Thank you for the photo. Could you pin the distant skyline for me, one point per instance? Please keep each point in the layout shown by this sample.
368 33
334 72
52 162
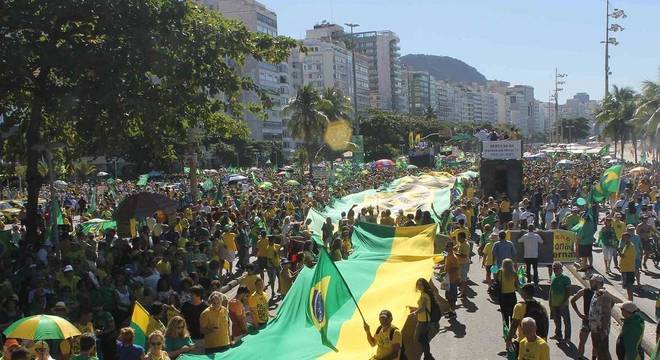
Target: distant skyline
518 41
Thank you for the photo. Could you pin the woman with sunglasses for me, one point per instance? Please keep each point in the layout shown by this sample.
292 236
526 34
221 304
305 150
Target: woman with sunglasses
177 338
42 351
155 342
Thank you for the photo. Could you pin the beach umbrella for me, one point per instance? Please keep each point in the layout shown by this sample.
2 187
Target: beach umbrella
292 182
639 169
383 163
411 167
41 327
266 185
102 174
235 178
60 184
565 162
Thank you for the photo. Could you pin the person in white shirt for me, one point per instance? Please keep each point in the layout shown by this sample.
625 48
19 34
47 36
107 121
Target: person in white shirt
531 241
515 215
549 212
622 202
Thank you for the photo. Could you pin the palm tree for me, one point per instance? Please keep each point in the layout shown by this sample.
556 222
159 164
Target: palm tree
308 122
336 105
647 115
617 110
83 169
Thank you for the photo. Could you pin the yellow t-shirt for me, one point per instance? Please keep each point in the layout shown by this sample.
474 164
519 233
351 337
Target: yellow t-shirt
627 260
258 304
248 281
215 317
262 247
462 251
468 224
285 279
273 254
508 284
229 239
387 221
164 267
534 350
619 228
384 344
519 313
488 253
505 206
424 302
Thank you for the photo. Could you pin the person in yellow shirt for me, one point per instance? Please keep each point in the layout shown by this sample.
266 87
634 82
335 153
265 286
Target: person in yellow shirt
251 278
272 263
262 248
521 310
423 314
258 304
230 248
532 347
487 261
627 264
387 338
164 266
285 278
214 323
68 279
462 251
386 218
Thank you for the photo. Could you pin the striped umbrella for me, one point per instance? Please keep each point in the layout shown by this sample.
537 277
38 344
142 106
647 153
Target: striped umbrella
41 327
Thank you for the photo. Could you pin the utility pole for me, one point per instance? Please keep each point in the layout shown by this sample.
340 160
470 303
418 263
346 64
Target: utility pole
558 81
355 113
193 137
616 14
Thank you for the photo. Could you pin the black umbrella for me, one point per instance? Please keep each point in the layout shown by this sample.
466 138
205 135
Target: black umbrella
144 204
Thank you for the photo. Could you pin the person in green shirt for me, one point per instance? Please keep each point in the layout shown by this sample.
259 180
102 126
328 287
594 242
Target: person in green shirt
87 348
560 285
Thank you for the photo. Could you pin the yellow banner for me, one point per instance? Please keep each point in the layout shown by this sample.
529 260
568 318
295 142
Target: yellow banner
563 245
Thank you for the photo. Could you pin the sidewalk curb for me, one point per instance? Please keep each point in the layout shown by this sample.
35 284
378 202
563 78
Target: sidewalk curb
648 344
232 284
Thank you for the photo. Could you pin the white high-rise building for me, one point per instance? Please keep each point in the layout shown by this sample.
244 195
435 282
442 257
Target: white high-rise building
271 77
466 102
386 90
579 106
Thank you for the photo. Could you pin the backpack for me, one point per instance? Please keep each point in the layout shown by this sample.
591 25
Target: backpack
436 313
535 310
392 329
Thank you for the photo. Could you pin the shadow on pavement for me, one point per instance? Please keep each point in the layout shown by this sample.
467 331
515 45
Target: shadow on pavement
454 326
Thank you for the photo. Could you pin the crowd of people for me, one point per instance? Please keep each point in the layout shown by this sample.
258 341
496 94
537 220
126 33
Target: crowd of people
178 266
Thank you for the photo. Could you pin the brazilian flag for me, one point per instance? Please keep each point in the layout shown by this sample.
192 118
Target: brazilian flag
327 294
611 179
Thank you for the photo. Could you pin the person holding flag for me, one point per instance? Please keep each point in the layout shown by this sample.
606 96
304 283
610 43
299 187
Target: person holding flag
387 338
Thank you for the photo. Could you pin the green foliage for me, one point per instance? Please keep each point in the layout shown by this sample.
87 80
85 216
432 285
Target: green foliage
308 121
127 78
337 106
577 128
82 169
617 109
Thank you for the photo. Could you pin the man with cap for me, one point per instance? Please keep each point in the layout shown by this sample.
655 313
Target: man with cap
68 279
387 338
632 332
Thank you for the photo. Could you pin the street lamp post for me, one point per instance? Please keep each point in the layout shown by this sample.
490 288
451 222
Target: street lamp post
355 115
616 14
558 81
570 138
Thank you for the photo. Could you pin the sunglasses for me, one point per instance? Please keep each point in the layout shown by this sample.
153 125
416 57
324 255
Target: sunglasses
40 350
156 343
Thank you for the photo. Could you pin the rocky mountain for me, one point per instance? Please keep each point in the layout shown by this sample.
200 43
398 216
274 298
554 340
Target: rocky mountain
444 68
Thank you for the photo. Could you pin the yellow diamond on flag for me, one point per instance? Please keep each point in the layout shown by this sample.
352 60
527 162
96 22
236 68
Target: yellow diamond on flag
338 134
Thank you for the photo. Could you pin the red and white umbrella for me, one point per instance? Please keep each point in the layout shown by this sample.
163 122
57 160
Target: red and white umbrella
383 163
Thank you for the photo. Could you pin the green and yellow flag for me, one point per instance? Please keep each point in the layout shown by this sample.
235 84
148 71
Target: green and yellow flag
326 295
56 218
604 151
611 179
143 324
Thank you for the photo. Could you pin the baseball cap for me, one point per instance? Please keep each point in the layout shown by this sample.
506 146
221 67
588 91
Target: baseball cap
68 268
629 306
630 227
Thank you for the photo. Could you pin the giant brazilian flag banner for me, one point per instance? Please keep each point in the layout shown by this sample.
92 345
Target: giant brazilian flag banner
380 274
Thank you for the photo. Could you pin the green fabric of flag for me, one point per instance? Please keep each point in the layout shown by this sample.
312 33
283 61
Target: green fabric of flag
604 151
91 207
186 170
142 181
326 295
611 179
552 155
56 218
208 184
642 159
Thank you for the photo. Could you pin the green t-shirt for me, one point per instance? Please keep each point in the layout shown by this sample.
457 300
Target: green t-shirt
558 288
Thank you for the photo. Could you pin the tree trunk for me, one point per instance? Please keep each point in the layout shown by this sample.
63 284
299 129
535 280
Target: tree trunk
634 144
33 178
616 145
310 159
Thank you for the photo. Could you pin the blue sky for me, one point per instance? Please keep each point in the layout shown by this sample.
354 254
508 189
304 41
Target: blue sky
520 41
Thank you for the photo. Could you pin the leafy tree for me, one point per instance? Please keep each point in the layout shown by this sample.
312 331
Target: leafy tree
308 122
128 78
430 113
647 115
577 128
617 109
82 169
337 106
